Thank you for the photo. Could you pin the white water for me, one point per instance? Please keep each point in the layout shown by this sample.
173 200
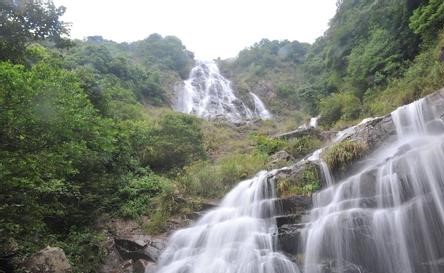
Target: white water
208 94
236 237
388 217
259 108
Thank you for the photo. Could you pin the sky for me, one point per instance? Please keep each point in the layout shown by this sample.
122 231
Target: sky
209 28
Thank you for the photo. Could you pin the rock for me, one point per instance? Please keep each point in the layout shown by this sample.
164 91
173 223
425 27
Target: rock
140 247
142 266
48 260
298 133
280 159
289 238
293 204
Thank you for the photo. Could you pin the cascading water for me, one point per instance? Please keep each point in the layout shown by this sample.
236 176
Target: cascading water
259 108
389 216
208 94
236 237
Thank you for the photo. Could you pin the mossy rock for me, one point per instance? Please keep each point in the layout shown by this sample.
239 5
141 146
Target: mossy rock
304 181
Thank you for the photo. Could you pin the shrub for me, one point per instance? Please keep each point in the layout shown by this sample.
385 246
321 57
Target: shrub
269 145
176 141
340 155
300 147
339 106
136 196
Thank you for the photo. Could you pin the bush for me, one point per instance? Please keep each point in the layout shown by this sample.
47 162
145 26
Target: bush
343 106
340 155
302 146
136 196
268 145
176 141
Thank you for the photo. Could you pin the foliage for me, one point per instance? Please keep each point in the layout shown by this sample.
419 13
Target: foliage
166 52
307 183
211 179
428 19
136 196
268 145
176 141
26 21
269 67
340 155
302 146
344 106
84 248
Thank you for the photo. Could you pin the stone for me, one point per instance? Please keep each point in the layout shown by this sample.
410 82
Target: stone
142 266
48 260
140 247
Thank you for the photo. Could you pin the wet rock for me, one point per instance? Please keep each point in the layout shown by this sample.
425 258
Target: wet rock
293 204
341 267
289 238
140 247
49 260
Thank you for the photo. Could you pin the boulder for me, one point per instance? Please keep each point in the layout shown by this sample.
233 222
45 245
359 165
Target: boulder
48 260
140 247
142 266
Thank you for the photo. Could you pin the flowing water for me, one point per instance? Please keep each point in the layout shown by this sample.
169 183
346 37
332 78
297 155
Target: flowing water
236 237
259 108
388 217
208 94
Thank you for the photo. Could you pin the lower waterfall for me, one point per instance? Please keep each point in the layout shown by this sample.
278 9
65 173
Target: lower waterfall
236 237
385 217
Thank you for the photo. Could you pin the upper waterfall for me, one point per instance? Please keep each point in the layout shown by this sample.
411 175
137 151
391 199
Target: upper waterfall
208 94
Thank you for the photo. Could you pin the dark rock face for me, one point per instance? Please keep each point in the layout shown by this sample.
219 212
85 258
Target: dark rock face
49 260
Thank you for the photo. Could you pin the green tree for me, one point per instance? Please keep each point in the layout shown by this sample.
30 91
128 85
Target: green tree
26 21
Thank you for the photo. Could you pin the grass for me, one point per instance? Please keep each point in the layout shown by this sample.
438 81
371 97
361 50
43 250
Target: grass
340 155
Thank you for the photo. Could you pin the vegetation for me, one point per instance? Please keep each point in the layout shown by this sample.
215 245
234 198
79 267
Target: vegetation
374 57
84 129
340 155
23 22
308 181
302 146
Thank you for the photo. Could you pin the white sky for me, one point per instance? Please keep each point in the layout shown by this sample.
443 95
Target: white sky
209 28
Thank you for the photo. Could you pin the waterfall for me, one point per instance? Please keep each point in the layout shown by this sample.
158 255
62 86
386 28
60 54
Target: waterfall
236 237
259 108
208 94
389 216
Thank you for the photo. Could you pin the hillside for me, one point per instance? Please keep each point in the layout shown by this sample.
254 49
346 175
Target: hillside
88 136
